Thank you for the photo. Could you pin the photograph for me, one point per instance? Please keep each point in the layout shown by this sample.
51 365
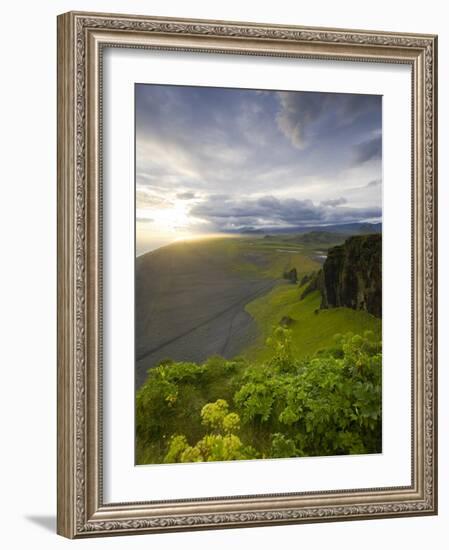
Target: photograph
258 274
247 273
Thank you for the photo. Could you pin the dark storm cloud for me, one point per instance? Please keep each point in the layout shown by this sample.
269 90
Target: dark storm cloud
334 202
269 211
368 150
308 115
297 113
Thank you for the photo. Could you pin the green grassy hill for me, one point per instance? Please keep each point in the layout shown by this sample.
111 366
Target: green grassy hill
312 329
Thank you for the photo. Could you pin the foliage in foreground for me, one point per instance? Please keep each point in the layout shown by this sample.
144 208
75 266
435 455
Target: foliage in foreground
329 404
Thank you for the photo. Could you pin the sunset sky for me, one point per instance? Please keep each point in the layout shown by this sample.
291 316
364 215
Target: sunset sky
226 161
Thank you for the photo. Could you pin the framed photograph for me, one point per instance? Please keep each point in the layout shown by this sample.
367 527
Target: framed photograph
246 274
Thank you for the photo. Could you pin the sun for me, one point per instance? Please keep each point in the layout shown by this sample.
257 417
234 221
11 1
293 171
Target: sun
173 219
167 221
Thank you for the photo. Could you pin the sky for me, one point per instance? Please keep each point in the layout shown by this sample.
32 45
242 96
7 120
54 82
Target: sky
215 161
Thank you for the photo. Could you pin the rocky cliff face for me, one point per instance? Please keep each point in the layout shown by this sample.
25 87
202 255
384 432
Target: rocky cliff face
352 275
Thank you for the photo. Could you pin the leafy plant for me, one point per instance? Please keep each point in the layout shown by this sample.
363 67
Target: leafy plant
329 404
221 444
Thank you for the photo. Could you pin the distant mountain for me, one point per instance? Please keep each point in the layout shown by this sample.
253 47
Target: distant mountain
317 237
250 230
356 228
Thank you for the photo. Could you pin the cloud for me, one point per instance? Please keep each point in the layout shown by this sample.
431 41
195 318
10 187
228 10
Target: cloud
151 200
187 195
217 156
297 112
204 140
334 202
368 150
304 115
232 214
374 183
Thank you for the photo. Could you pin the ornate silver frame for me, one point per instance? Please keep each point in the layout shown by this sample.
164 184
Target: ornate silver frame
81 39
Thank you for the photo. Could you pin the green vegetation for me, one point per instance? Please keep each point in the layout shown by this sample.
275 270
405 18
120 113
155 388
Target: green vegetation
309 383
257 256
221 444
312 329
233 410
171 400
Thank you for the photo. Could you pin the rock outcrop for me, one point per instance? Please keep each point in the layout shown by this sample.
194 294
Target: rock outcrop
352 275
291 275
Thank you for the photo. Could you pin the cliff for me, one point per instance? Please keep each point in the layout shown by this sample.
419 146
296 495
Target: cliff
351 275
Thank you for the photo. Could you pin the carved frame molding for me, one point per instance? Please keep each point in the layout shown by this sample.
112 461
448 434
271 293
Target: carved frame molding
81 39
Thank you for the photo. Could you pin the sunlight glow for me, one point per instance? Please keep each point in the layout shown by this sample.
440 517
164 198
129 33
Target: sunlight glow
156 226
170 219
